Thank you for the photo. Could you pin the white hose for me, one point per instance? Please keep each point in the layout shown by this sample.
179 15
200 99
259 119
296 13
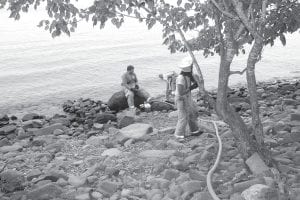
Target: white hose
211 171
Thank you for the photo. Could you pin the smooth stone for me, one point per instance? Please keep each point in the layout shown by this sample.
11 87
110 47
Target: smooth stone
48 130
191 187
5 130
108 188
14 147
30 116
125 120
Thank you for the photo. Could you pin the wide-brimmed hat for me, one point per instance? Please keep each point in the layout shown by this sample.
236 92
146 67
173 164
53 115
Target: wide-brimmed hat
186 64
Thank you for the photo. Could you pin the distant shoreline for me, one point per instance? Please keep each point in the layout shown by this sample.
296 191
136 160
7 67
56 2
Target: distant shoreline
49 108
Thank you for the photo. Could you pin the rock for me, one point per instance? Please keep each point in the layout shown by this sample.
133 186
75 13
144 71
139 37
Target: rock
160 106
191 187
84 196
98 126
136 131
196 175
170 174
260 192
96 140
126 120
58 132
103 118
202 196
178 164
112 152
48 130
5 130
55 147
47 191
108 188
35 123
256 164
34 173
241 186
63 121
290 102
4 120
157 153
30 116
11 181
194 158
14 147
236 196
4 142
167 131
76 181
160 183
295 117
118 101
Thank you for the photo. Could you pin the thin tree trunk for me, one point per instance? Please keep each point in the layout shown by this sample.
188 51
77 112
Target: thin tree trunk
253 57
225 111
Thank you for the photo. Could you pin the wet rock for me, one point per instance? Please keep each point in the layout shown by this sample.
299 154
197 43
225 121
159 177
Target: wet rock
5 130
118 101
76 181
4 120
103 118
112 152
30 116
11 180
260 192
47 191
256 164
136 131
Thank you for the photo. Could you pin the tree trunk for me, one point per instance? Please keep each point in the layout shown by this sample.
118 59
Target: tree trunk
225 111
253 57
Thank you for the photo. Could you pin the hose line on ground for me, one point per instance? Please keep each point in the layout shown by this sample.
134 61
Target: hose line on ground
211 171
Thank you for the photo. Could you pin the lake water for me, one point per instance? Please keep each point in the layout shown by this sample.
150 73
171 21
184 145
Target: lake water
39 73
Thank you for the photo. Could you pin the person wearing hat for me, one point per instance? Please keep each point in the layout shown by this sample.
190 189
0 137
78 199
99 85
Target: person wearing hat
131 87
185 82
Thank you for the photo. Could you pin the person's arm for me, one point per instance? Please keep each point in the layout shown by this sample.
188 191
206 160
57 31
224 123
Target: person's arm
124 82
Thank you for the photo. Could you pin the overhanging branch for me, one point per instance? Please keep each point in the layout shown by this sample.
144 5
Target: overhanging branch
223 11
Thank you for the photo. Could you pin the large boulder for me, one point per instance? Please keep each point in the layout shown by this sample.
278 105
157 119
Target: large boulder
103 118
260 192
118 101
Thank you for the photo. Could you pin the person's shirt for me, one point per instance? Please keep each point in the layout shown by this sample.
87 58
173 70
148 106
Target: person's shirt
183 80
129 80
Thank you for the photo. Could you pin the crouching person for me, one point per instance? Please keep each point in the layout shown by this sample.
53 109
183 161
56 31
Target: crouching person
131 87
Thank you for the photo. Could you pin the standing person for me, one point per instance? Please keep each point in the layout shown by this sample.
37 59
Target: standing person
131 87
187 114
170 79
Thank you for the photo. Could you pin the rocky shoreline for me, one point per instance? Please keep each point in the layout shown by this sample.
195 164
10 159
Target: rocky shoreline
89 153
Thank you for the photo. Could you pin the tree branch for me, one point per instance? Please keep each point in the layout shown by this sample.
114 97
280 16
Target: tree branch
223 11
239 9
242 27
238 72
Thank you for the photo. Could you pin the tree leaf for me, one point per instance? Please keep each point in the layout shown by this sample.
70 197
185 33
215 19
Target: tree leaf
179 2
282 39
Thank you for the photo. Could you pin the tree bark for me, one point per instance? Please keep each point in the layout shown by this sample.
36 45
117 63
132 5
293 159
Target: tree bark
253 57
